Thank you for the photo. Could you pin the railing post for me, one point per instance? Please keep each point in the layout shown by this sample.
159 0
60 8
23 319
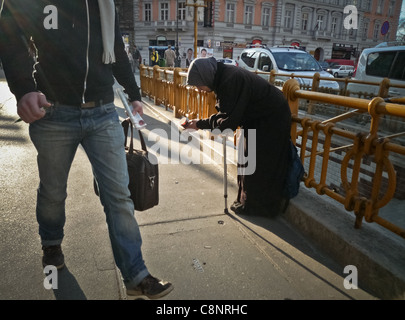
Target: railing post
272 78
177 92
289 89
315 82
315 86
155 85
148 82
344 92
384 88
142 82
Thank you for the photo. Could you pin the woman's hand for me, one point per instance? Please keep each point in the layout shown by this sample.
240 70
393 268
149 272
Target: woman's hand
192 124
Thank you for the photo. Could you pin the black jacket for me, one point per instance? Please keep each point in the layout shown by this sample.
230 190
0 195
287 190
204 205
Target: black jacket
69 67
244 98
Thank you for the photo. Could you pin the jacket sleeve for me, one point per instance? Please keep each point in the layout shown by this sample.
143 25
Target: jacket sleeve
14 55
122 68
211 122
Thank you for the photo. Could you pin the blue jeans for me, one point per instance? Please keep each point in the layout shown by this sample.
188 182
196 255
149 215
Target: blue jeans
56 138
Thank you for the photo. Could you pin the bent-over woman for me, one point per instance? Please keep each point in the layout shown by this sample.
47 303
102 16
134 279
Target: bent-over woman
248 101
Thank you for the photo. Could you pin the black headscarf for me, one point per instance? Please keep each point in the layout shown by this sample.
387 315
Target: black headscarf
202 72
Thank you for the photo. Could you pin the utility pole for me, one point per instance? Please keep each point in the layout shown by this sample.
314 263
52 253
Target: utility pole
196 6
177 60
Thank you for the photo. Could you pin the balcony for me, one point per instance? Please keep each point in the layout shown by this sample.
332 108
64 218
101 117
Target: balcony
169 25
322 35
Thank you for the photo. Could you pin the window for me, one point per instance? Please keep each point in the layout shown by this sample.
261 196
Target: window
288 18
367 5
265 62
266 17
296 61
379 6
376 30
249 15
208 15
333 27
230 12
365 30
249 58
379 63
304 22
148 12
164 11
182 11
391 9
319 22
398 72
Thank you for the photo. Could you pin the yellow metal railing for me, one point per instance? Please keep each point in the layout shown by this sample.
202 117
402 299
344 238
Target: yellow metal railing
362 145
383 86
361 167
164 85
168 87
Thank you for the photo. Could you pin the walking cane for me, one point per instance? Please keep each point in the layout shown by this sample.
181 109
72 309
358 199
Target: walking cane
225 176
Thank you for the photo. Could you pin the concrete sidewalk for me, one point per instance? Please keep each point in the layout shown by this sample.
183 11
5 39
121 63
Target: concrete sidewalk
187 238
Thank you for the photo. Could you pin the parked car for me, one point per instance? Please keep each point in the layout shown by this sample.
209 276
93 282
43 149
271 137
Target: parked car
341 71
378 63
324 65
228 61
285 60
340 62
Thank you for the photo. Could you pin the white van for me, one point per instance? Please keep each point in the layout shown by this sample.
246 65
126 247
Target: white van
285 60
378 63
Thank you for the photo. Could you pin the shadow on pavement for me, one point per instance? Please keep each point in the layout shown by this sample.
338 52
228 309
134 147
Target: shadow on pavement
68 287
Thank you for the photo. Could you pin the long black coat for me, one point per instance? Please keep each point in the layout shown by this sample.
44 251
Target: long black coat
247 100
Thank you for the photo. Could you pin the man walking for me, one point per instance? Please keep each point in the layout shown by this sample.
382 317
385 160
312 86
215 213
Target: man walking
69 102
137 58
170 56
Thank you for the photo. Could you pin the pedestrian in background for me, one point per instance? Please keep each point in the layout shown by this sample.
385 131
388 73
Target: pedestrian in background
248 101
154 57
170 56
131 60
70 103
137 58
177 61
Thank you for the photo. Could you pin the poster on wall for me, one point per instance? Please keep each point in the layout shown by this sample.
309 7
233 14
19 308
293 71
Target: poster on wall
203 52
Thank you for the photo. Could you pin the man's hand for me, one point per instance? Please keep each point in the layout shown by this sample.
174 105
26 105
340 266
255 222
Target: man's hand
137 107
30 106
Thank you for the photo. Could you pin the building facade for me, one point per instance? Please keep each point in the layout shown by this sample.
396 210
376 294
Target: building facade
127 21
328 29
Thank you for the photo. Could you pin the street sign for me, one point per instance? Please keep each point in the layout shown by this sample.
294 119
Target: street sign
385 27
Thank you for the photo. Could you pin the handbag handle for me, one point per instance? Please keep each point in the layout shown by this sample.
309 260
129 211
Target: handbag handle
125 124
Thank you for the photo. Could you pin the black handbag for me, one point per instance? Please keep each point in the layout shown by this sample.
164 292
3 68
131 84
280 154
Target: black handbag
143 172
295 173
